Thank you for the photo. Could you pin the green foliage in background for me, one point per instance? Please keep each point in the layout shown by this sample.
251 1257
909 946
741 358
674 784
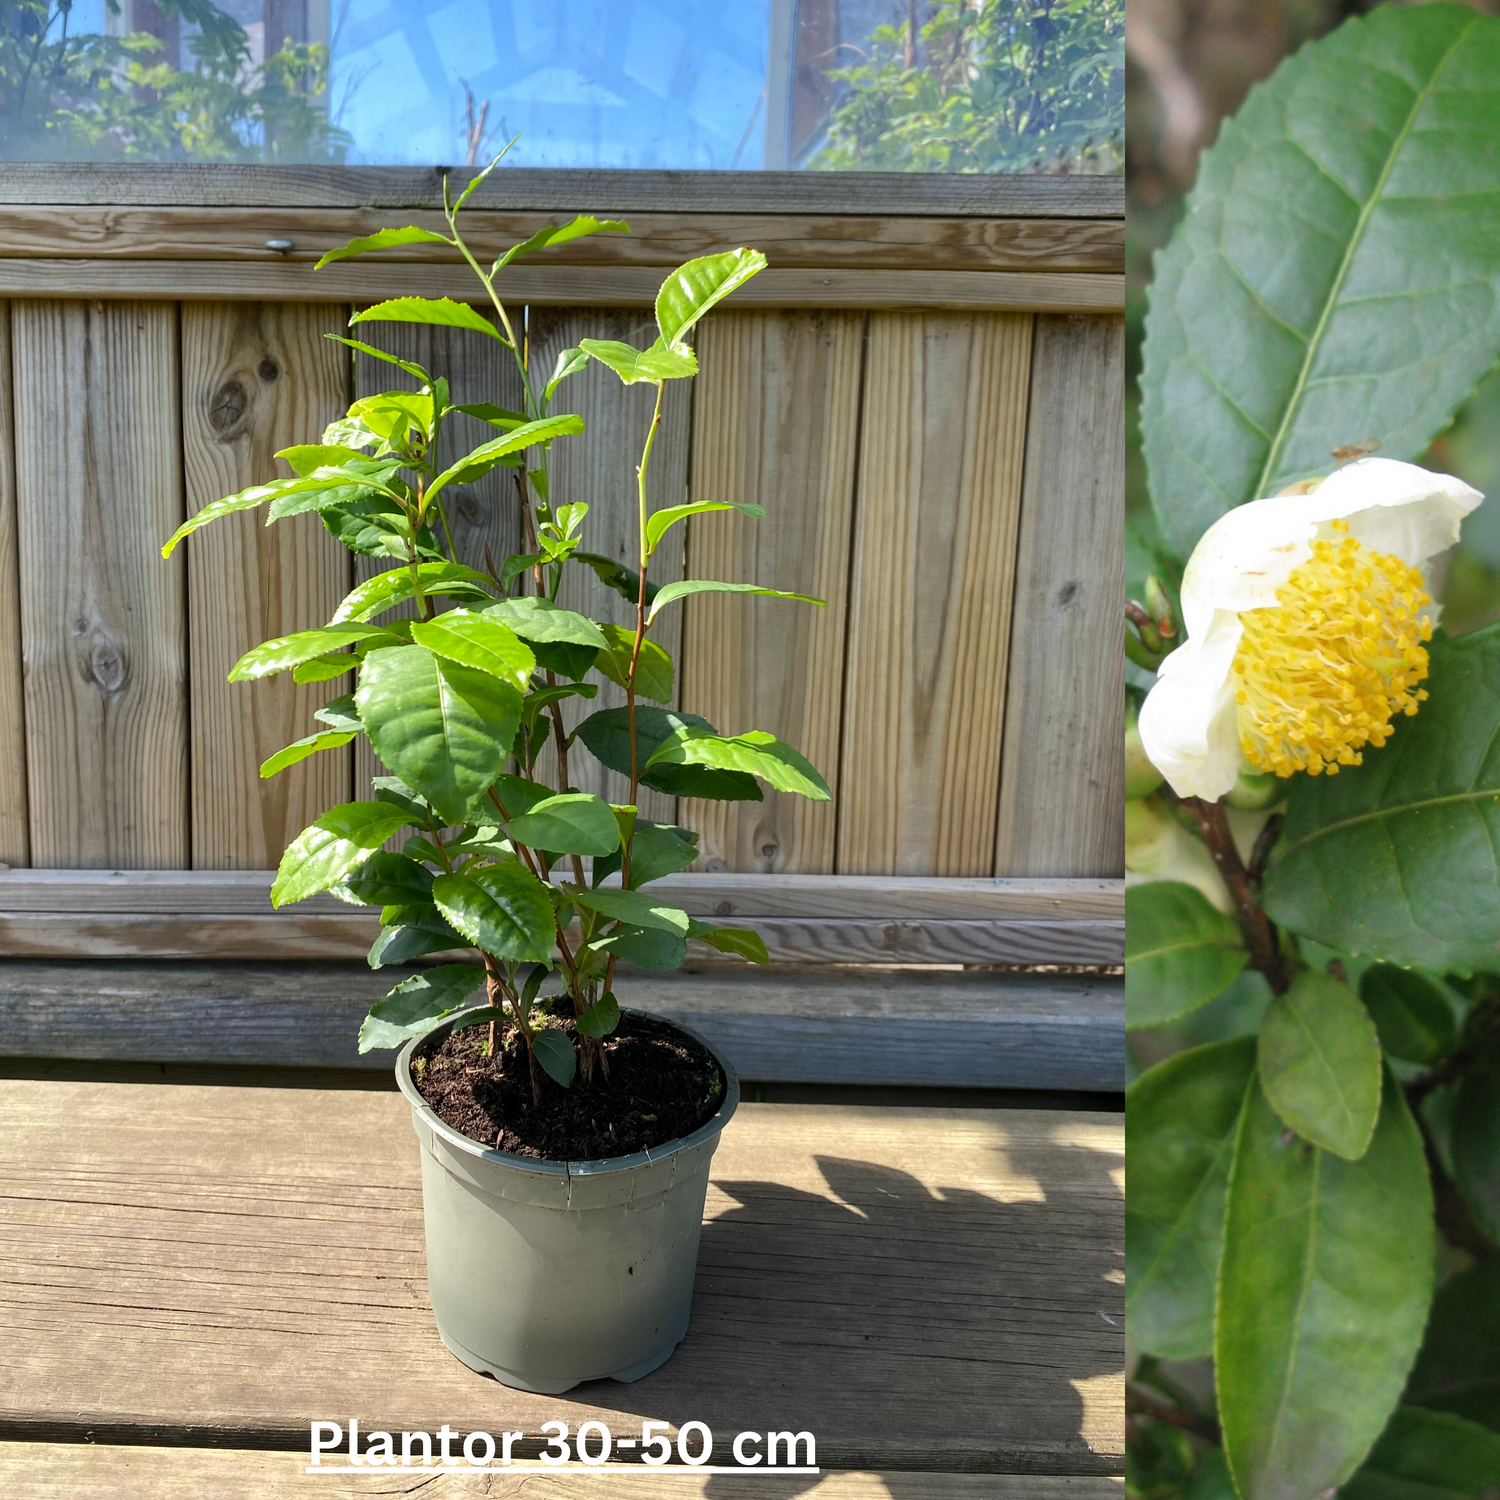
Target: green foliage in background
69 97
1004 86
1313 1234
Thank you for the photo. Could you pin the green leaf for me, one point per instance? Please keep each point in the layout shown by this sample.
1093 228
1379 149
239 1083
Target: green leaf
443 312
632 365
617 576
653 668
340 713
659 522
478 178
484 458
444 729
634 907
693 288
413 369
1302 302
743 941
480 641
401 943
1412 1015
656 849
560 234
328 849
645 947
324 668
417 1004
386 590
1323 1290
1182 1117
497 416
286 651
541 622
569 362
299 750
307 458
383 239
756 753
572 823
1179 952
1458 1369
503 910
686 586
1428 1455
606 734
601 1018
1320 1063
1474 1136
555 1053
1397 858
387 879
256 495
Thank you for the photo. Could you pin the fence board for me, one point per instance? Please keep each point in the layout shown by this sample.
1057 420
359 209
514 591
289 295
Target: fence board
256 377
942 443
15 843
1062 777
99 488
775 421
599 469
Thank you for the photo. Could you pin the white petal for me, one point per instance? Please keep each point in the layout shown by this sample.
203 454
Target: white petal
1188 721
1244 557
1395 507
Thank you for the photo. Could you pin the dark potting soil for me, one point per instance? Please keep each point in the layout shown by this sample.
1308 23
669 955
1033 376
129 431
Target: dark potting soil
662 1085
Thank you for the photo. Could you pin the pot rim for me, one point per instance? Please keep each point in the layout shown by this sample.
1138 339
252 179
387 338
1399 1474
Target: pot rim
593 1167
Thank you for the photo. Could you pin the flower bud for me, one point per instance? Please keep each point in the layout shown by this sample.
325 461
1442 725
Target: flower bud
1141 777
1254 791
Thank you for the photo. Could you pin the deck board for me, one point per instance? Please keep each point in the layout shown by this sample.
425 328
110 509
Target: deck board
926 1290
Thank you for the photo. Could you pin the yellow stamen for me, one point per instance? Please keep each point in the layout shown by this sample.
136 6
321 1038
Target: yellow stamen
1322 672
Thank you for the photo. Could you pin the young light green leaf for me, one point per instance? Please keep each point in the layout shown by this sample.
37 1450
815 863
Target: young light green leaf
504 910
555 1053
607 736
478 178
324 668
632 365
755 753
497 416
660 521
1323 1291
1458 1369
286 651
1320 1063
417 1004
383 239
386 590
1428 1455
299 750
634 907
569 362
487 455
743 941
443 312
1285 309
601 1018
256 495
444 729
560 234
653 667
693 288
477 640
685 586
1181 1117
305 459
328 849
340 713
1413 1016
1179 952
410 366
571 823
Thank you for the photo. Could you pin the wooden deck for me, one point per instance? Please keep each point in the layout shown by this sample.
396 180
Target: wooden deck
193 1275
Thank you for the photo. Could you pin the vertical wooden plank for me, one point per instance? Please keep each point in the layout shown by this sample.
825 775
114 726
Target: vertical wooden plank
1062 778
483 516
103 618
598 468
256 377
14 839
776 422
943 427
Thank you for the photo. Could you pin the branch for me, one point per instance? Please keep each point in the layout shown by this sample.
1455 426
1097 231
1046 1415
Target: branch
1148 1404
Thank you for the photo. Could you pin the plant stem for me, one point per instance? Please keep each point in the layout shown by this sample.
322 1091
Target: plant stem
1482 1027
640 615
1148 1404
1450 1210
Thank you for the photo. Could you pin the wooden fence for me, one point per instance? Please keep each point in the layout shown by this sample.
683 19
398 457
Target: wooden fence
924 391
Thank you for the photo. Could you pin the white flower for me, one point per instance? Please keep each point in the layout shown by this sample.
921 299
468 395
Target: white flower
1304 619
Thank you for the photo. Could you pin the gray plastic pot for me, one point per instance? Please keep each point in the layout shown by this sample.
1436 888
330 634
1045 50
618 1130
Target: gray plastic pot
545 1273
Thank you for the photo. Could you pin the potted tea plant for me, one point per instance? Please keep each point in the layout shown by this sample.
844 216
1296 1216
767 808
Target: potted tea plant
565 1141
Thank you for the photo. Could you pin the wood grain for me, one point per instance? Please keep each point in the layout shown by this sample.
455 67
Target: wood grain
103 618
591 190
1062 779
840 242
256 377
776 421
559 285
599 468
15 841
788 1023
63 1471
944 430
220 1265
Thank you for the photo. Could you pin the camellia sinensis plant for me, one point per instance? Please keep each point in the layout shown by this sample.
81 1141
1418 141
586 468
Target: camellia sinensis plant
1313 768
459 700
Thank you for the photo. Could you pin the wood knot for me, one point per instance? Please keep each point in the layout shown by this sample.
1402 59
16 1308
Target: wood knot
268 369
227 408
724 908
105 664
1068 593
